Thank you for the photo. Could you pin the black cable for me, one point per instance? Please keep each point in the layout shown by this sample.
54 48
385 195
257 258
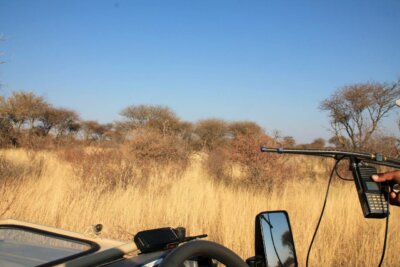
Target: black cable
338 175
386 231
342 178
322 211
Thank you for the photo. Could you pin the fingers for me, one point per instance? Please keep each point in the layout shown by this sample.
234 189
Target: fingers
388 176
394 199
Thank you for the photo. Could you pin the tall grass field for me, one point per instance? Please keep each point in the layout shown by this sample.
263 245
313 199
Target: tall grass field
66 191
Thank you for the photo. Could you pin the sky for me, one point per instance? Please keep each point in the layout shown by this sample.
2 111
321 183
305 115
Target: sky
271 62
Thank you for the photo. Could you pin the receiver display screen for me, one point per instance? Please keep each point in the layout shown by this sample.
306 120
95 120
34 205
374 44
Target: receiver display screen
372 186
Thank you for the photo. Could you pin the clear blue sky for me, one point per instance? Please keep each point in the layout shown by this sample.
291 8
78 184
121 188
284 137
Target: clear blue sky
267 61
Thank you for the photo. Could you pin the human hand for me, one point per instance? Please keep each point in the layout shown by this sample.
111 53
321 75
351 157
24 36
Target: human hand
393 176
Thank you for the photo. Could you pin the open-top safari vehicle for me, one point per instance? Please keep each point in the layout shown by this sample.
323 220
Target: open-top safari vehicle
26 244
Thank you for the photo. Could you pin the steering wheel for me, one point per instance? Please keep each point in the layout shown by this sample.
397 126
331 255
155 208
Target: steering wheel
202 248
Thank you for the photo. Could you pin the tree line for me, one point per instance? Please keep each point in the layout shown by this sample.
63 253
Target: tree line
355 113
26 117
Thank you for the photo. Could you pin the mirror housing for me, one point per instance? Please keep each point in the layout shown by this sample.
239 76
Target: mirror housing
274 239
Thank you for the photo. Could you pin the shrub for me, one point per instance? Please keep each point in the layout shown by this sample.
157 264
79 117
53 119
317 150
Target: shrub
100 168
211 133
241 162
12 172
152 150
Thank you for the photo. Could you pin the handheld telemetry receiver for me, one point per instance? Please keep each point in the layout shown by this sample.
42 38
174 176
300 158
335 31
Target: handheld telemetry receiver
372 195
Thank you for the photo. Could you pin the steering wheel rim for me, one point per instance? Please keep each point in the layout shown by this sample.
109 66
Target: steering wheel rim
202 248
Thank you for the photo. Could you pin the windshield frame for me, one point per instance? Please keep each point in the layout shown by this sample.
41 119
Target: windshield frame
93 246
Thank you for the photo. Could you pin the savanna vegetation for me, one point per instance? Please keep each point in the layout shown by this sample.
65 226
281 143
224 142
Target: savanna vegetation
153 169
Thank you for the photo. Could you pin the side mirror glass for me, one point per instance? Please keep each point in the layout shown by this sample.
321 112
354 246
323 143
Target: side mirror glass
277 240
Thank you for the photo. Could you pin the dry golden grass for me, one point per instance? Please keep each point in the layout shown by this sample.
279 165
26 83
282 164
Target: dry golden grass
54 196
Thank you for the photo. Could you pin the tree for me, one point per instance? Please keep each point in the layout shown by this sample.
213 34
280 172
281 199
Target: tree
245 128
22 107
66 122
120 131
156 117
287 241
94 131
6 130
317 143
356 111
289 141
48 119
211 132
340 142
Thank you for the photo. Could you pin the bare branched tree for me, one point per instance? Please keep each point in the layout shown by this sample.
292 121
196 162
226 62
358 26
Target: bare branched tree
356 111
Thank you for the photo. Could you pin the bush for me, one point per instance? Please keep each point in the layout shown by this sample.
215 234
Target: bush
152 150
11 172
7 134
100 168
241 162
210 134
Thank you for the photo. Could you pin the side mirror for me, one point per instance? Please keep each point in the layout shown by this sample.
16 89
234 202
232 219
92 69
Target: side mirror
274 240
